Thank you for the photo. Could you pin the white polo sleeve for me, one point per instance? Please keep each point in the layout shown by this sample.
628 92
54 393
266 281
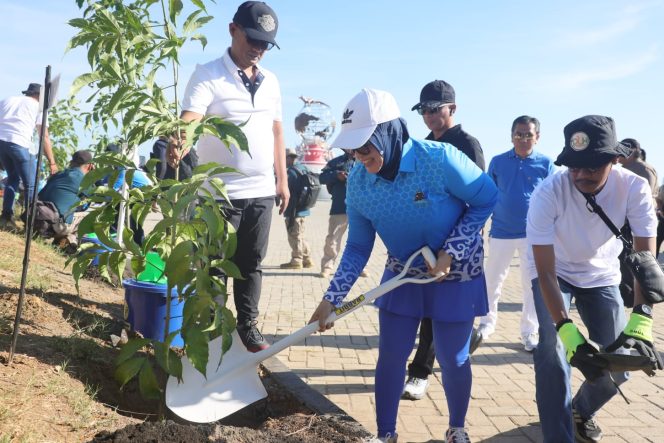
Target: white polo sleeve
278 114
199 94
641 209
540 226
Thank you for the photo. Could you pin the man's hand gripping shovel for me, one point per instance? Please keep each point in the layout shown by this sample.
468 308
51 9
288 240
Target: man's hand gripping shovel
234 384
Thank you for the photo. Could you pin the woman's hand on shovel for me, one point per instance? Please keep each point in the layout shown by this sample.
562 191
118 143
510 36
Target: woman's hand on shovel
443 265
321 314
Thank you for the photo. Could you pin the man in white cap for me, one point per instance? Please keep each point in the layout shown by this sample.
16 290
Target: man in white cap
19 116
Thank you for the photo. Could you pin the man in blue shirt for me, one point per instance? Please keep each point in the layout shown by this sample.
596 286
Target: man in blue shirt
516 173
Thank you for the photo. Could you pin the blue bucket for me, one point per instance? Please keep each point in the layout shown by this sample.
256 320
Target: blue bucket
145 309
92 238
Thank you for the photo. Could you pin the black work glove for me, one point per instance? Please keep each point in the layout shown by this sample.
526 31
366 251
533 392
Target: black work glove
638 335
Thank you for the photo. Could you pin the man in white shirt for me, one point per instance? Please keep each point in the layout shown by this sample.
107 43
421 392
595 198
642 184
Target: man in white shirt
237 89
574 255
19 116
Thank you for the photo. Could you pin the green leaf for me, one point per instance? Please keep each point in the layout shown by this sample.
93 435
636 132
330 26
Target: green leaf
117 262
83 80
201 38
229 268
105 239
178 265
130 348
174 8
128 369
147 383
196 348
182 204
190 24
168 359
128 241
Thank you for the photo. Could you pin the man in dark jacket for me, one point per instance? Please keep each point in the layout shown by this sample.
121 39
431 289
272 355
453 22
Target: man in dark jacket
334 176
300 257
437 107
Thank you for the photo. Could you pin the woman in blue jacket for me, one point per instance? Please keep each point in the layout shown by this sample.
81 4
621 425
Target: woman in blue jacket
413 193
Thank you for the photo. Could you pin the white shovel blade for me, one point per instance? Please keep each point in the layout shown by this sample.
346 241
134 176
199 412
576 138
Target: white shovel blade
198 401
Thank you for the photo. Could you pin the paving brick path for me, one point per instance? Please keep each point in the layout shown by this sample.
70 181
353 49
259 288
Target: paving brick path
340 363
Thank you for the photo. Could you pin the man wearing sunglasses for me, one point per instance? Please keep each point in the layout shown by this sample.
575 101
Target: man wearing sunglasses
437 107
236 88
516 173
574 257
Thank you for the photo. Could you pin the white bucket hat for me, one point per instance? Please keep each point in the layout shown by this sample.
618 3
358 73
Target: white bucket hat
363 113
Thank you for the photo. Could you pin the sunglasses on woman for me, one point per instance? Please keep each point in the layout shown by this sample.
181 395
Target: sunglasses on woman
364 149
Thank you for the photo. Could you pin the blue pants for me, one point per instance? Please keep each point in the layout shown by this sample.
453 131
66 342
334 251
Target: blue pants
602 312
397 337
20 166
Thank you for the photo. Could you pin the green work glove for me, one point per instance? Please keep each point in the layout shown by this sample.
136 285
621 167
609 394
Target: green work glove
638 335
579 352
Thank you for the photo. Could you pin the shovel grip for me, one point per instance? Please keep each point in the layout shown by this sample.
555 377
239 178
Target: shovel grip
387 286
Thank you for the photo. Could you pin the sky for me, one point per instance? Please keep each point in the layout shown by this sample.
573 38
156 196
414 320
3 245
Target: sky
555 60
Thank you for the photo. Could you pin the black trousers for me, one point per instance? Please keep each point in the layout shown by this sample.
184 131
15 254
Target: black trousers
251 218
422 365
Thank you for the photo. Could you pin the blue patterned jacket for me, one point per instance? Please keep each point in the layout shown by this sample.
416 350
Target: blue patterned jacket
439 198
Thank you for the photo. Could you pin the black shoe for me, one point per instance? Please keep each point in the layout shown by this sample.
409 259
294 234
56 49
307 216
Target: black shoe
586 430
8 224
475 340
251 337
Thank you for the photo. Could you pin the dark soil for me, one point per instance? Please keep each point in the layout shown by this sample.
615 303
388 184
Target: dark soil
60 385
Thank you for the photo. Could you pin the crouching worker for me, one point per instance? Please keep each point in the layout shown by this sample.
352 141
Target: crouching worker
576 257
413 193
62 192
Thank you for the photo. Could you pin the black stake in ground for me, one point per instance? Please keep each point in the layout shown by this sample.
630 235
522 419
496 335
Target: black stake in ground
30 219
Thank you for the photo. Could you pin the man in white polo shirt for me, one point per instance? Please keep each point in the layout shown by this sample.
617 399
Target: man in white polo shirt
19 116
237 89
574 255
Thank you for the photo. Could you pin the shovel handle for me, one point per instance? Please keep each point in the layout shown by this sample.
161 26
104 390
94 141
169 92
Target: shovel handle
358 302
389 285
343 310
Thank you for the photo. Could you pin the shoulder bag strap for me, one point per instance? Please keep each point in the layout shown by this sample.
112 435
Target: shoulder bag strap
597 209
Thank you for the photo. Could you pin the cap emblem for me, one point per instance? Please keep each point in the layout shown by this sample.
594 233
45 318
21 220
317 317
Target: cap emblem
579 141
267 22
346 116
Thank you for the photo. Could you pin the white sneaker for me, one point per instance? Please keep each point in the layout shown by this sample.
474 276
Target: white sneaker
485 330
387 439
415 388
530 341
457 435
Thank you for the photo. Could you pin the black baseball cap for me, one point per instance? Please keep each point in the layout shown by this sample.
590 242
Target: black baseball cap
435 93
80 158
590 142
258 20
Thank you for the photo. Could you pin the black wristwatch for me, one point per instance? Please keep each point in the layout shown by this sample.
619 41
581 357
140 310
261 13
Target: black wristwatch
644 310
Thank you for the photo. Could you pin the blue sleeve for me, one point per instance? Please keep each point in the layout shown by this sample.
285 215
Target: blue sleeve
361 237
118 183
466 181
492 170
